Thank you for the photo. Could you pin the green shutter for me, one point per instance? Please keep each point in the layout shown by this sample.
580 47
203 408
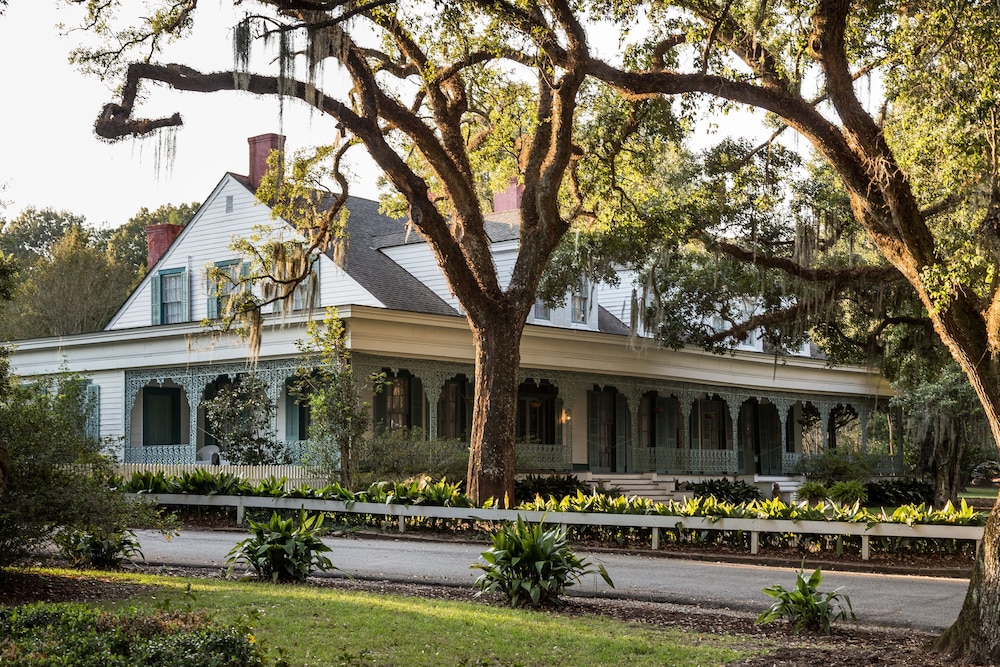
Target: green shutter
291 415
93 421
155 299
186 285
418 405
593 429
623 434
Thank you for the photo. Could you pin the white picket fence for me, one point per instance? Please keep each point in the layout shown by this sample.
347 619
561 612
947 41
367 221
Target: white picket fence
295 475
655 522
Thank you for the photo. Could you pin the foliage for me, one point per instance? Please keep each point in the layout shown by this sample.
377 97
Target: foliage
401 453
338 419
127 244
726 490
899 491
419 491
77 634
837 465
58 475
532 565
31 234
241 416
849 492
805 607
283 550
812 491
97 546
549 486
72 286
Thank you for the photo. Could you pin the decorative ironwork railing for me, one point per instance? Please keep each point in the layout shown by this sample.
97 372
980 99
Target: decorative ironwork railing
168 454
788 462
686 461
532 457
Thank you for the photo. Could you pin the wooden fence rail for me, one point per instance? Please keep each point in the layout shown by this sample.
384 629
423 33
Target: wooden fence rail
654 522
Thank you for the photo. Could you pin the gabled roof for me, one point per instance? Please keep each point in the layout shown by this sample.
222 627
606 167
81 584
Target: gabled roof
387 281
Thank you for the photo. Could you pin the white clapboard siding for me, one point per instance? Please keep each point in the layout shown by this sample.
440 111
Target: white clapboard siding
418 260
339 289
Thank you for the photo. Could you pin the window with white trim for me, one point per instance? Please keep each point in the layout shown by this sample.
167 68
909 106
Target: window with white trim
580 303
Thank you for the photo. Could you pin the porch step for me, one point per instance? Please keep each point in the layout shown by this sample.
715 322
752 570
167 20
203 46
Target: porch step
636 484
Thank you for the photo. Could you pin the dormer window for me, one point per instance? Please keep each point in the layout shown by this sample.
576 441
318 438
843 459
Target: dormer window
542 311
580 303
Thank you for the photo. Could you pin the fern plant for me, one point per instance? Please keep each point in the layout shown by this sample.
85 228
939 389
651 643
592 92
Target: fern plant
532 565
805 607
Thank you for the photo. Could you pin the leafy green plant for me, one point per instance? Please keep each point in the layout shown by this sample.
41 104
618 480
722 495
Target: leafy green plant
849 492
103 548
837 465
548 486
812 491
532 565
240 417
726 490
283 550
805 607
896 492
146 481
76 634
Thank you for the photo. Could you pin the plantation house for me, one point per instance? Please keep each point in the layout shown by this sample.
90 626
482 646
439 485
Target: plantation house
592 399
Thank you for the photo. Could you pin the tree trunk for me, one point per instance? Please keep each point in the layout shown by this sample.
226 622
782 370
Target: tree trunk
494 414
974 634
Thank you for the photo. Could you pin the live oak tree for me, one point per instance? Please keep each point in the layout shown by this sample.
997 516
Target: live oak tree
450 100
927 197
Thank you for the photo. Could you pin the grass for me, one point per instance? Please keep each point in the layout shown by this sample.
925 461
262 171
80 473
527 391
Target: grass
308 625
978 492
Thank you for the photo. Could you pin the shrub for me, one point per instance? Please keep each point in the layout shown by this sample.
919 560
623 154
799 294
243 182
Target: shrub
805 607
76 634
532 565
849 492
901 491
726 490
837 465
97 546
812 492
551 486
399 454
283 550
57 477
241 416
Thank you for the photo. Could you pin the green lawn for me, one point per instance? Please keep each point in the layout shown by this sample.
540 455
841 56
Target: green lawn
320 626
979 492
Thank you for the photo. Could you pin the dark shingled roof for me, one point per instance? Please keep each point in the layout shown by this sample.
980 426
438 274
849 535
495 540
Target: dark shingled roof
387 281
609 324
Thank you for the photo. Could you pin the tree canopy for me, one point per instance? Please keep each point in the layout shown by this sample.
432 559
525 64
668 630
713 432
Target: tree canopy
429 99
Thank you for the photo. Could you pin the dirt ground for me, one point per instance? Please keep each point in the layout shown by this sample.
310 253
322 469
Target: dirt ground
848 646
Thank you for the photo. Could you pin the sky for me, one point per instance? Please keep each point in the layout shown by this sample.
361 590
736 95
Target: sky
51 158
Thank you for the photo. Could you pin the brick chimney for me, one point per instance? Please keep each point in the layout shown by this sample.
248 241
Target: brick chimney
158 240
509 199
261 147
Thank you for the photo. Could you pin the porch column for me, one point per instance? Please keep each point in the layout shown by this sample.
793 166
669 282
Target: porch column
571 389
863 412
824 419
633 394
686 400
433 382
783 405
735 403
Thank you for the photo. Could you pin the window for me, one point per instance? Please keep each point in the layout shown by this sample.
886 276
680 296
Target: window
221 287
542 312
579 303
92 424
536 413
169 296
161 416
400 403
455 409
305 295
229 203
297 413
